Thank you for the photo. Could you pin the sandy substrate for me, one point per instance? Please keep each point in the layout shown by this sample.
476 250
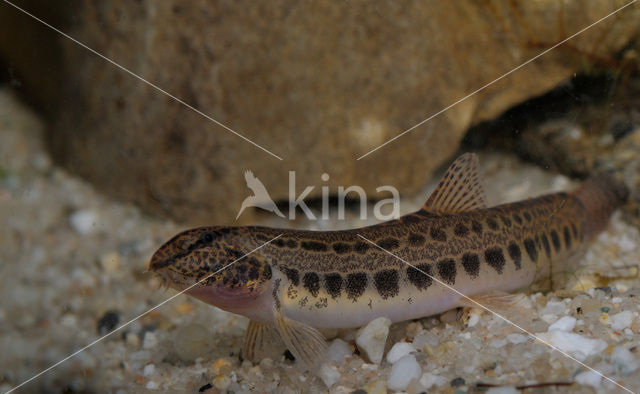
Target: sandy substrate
72 268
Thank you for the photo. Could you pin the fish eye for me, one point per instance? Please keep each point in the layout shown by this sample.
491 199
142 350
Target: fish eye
207 237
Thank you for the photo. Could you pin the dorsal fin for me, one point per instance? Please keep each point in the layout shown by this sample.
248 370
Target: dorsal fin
459 189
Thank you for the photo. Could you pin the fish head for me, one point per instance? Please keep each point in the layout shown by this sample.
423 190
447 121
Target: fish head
213 264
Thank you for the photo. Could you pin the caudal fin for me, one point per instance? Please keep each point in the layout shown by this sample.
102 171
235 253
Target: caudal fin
600 195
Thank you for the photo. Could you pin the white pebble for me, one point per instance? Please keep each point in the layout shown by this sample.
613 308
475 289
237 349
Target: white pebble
425 337
151 385
329 374
580 347
398 351
502 390
517 338
429 380
624 360
148 370
566 324
621 320
589 378
150 340
498 343
403 372
339 350
372 338
84 222
554 308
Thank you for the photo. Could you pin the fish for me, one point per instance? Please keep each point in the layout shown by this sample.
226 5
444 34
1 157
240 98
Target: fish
293 283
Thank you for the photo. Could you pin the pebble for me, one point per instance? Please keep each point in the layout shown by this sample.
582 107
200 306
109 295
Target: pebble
376 386
339 350
429 380
403 372
398 351
457 382
151 385
110 262
588 378
554 308
329 374
191 341
577 345
372 338
84 221
150 340
425 338
566 324
148 370
517 338
624 360
221 382
108 322
621 320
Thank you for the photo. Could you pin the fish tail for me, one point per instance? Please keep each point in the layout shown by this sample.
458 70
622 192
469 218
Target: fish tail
600 195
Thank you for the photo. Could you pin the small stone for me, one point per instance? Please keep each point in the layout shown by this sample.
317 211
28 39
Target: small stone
565 323
151 385
621 320
150 340
517 338
403 372
398 351
372 338
329 374
108 322
554 308
425 338
339 350
221 382
377 386
429 380
110 262
133 340
191 341
148 370
498 343
589 378
205 388
450 316
579 346
624 360
457 382
84 222
220 366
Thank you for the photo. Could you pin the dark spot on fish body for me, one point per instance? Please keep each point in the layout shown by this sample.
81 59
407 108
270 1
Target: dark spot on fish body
545 243
292 243
388 243
517 218
416 239
574 229
567 237
471 264
412 218
495 258
530 247
279 243
420 275
437 234
341 247
476 226
303 302
527 216
333 284
356 285
447 270
314 246
493 225
515 254
361 247
292 275
555 239
274 293
461 230
386 282
506 221
311 282
322 303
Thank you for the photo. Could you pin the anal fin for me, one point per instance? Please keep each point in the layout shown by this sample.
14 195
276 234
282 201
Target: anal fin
493 300
306 343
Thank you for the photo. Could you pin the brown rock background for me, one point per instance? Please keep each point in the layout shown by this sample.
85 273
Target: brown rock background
317 83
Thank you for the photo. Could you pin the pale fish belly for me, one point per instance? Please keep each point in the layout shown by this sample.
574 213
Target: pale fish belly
323 311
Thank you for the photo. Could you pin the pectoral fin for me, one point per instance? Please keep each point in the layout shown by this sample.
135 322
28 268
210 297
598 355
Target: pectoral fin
306 343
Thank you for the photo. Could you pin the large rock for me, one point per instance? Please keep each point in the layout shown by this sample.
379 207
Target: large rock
317 83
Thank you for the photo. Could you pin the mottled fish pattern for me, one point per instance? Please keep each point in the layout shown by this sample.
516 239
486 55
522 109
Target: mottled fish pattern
304 280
